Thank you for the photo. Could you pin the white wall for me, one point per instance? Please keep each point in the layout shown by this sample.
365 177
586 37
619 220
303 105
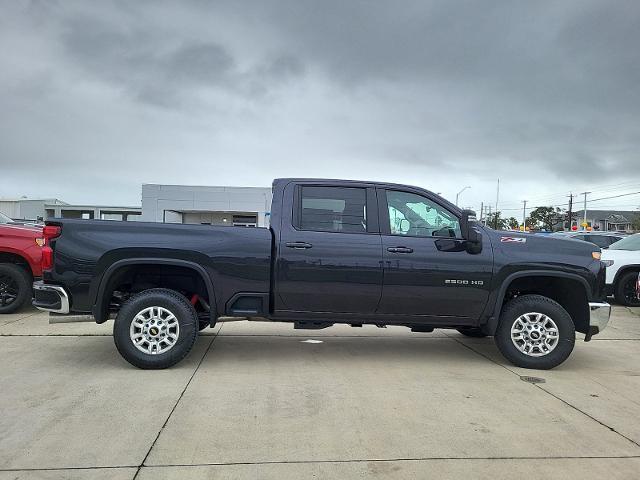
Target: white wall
156 199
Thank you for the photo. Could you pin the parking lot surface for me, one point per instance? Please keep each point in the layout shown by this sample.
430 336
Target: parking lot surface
258 401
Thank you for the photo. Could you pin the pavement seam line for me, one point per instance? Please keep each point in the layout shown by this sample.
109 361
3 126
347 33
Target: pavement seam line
18 319
588 415
284 462
382 460
153 444
553 395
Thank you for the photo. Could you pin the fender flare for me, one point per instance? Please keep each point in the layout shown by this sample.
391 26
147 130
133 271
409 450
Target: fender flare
99 308
20 254
492 324
623 270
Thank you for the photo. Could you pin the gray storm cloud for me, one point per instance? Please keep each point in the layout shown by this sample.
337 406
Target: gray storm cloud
105 96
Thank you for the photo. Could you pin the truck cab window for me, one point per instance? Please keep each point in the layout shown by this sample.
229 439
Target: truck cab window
417 216
333 209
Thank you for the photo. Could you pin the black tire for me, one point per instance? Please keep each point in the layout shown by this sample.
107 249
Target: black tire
625 290
16 287
472 332
187 331
525 304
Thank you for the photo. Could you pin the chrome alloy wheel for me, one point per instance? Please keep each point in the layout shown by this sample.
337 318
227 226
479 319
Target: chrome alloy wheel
154 330
535 334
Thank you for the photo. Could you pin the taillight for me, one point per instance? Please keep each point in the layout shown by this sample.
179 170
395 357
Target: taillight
49 232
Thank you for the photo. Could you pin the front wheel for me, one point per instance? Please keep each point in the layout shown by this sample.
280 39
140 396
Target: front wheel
535 332
626 290
155 329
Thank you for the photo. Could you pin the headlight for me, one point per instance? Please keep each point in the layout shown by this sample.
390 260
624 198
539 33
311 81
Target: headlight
607 263
596 255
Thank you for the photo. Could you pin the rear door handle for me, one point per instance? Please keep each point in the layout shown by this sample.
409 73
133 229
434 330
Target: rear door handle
299 245
400 250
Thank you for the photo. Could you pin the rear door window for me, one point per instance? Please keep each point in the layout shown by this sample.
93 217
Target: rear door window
332 209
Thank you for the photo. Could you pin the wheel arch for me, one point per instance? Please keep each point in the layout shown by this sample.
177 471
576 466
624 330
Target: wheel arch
13 257
632 267
577 307
100 307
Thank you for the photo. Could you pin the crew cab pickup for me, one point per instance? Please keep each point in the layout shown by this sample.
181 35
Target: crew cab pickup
336 251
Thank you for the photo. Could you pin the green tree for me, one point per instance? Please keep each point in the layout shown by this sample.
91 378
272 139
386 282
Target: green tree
494 220
512 223
547 217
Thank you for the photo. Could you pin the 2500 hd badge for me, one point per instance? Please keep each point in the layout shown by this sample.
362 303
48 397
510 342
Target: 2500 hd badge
464 282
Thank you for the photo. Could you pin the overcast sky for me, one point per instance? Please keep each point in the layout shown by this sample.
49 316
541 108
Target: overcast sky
97 98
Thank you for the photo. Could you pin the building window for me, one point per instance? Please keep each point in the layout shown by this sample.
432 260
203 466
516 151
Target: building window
245 220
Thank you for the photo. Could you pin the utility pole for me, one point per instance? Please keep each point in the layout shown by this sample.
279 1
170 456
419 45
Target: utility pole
497 197
524 216
585 206
481 210
570 211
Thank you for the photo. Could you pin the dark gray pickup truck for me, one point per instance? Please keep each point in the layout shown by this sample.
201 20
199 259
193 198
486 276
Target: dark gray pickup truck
336 252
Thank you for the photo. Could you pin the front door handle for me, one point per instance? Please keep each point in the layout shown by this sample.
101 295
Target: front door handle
299 245
400 250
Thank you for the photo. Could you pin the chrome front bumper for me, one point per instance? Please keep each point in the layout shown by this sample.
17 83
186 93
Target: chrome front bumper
599 314
50 298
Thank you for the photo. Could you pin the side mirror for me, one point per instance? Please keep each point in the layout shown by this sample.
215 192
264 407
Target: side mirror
405 226
469 232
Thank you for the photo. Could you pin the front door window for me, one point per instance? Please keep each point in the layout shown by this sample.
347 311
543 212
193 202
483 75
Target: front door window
416 216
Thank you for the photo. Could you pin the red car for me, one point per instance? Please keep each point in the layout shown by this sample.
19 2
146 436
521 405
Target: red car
20 256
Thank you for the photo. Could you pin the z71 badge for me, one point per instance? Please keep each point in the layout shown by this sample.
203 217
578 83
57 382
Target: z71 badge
513 240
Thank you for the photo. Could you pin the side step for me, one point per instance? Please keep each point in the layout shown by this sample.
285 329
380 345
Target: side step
62 318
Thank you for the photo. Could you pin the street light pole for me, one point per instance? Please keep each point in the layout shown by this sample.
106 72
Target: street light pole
585 207
524 216
458 194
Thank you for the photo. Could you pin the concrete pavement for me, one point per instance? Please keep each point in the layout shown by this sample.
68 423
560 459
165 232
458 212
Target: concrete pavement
256 401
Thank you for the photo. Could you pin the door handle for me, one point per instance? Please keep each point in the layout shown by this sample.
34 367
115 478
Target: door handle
299 245
400 250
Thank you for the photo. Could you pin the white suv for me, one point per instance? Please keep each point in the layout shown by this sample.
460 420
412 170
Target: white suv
623 270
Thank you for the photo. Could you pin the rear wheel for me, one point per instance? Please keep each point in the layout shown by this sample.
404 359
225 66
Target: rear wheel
155 329
535 332
15 287
626 290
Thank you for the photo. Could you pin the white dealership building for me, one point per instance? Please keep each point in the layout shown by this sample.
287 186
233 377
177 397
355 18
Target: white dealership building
207 205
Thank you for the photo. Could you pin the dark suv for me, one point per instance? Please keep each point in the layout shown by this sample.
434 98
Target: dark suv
601 239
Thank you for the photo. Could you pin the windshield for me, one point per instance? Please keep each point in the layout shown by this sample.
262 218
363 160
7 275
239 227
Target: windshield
4 219
629 243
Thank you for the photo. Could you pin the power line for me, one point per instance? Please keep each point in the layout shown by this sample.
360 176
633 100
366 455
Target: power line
567 203
596 189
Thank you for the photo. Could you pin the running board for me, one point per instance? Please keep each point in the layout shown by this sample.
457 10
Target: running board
62 318
59 318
